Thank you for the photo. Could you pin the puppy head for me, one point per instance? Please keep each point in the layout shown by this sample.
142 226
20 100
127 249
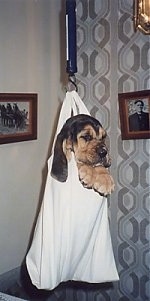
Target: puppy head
85 136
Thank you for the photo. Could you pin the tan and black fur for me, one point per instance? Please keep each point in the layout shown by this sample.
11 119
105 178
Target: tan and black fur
85 136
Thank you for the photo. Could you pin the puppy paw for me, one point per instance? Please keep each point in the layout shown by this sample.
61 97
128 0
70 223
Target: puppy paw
97 178
86 176
104 184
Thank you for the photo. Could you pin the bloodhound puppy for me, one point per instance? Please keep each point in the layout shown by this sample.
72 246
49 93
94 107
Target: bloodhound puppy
85 137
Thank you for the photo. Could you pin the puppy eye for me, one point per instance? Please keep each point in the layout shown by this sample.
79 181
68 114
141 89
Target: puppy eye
87 137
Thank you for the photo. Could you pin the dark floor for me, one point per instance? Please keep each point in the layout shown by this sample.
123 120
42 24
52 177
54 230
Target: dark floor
17 283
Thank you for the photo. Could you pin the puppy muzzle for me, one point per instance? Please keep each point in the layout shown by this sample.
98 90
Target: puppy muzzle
103 156
102 152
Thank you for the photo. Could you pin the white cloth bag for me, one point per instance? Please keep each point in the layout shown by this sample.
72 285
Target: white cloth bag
72 237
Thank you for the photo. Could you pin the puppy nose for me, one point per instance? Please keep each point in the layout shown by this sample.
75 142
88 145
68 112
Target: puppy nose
102 152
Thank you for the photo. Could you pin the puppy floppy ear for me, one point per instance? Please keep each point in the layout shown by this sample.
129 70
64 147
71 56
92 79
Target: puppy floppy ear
59 169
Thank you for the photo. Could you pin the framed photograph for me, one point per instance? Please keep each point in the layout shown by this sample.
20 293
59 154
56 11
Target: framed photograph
18 117
134 110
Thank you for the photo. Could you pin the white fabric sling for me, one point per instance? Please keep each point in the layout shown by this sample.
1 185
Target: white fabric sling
72 237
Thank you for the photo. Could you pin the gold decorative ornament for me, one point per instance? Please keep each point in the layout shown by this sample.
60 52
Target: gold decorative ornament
142 15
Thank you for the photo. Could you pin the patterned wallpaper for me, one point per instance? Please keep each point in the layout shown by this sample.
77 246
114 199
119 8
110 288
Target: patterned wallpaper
112 58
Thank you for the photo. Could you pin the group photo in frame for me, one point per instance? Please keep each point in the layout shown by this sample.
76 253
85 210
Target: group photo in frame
18 117
134 111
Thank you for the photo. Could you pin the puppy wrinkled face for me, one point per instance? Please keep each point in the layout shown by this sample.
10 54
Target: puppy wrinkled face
90 147
84 136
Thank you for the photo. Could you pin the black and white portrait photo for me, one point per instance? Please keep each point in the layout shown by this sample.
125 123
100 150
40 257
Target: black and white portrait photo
134 111
139 115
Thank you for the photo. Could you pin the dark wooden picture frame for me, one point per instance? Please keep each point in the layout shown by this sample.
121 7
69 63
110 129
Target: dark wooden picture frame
18 117
134 110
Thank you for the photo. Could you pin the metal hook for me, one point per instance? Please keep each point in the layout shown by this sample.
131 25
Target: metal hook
72 83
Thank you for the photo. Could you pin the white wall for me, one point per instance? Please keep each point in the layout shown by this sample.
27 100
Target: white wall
29 63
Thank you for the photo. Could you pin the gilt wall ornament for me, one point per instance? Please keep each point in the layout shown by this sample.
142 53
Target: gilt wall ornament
142 15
